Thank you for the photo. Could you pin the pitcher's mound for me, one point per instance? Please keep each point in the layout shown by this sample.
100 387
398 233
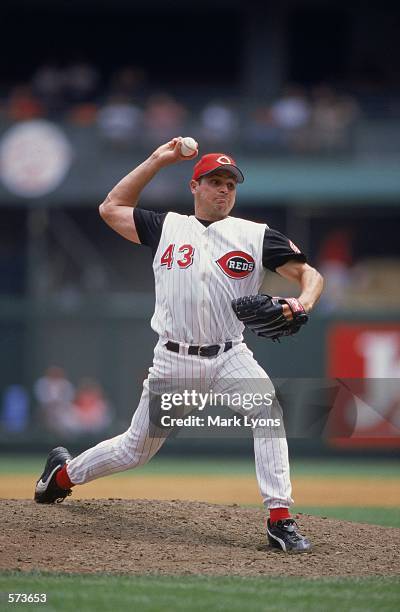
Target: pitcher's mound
175 537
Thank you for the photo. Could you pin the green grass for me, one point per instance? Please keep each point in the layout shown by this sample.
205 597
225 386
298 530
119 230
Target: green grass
222 466
346 468
387 517
202 594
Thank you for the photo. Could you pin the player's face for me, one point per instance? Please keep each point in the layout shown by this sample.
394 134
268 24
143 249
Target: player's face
214 195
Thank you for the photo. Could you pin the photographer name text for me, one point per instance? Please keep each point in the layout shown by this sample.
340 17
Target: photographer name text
218 421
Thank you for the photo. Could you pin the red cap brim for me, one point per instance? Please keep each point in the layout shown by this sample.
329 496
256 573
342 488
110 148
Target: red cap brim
229 167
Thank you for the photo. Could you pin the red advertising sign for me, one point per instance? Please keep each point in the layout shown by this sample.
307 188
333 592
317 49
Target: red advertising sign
366 360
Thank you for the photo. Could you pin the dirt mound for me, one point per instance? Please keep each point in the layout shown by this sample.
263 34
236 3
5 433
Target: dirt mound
175 537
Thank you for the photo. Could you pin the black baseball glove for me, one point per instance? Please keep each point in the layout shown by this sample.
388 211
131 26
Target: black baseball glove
263 314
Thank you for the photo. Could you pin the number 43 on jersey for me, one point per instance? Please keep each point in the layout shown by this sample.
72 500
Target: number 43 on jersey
184 256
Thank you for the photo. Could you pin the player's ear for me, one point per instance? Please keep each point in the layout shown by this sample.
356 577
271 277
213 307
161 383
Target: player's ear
193 186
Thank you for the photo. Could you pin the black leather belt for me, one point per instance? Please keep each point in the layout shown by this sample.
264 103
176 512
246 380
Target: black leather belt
210 350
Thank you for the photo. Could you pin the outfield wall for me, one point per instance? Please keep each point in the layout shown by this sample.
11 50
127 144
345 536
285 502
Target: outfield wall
115 349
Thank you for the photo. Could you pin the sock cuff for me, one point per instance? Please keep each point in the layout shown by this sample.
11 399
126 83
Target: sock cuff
278 514
62 478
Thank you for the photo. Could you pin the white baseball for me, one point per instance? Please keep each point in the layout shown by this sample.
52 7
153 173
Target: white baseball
188 146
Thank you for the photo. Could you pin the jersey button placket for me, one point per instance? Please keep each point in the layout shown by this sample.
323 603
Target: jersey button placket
203 268
203 274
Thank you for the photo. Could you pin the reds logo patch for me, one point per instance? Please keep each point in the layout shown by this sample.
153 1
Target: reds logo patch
224 159
236 264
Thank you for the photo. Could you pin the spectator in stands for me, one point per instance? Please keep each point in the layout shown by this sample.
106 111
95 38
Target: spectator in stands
335 259
80 85
163 117
90 411
81 81
260 130
292 110
129 82
219 123
22 104
15 409
119 120
291 114
48 85
54 394
332 117
83 114
284 123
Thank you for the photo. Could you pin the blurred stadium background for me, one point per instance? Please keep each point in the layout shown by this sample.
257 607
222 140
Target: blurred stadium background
305 95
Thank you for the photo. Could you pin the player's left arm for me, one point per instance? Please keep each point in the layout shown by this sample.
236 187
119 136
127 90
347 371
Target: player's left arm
308 278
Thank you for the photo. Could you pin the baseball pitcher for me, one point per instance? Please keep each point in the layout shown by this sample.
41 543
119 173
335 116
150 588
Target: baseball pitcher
208 269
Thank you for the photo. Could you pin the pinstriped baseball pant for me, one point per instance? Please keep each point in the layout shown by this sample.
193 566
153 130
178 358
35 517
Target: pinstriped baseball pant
235 371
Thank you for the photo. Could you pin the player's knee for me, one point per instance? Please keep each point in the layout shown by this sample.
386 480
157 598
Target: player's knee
130 457
129 460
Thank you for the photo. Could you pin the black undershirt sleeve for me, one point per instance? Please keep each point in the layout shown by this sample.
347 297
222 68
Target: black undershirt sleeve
149 227
278 249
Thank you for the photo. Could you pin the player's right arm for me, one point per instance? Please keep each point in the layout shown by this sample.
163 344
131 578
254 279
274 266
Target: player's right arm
117 208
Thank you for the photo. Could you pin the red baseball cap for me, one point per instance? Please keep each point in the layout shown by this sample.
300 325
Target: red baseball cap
213 161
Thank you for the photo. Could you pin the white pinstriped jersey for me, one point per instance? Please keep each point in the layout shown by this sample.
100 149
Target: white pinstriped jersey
198 270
